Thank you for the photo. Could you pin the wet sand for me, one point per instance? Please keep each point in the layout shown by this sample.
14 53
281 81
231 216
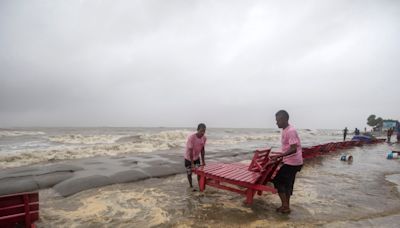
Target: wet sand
328 193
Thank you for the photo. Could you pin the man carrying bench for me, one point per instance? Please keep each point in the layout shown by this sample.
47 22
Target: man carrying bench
292 161
194 148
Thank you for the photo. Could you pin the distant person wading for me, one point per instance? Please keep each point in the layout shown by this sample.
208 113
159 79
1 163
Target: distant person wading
345 133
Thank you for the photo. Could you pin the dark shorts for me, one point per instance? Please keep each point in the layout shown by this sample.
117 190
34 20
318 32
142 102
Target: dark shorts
284 179
188 165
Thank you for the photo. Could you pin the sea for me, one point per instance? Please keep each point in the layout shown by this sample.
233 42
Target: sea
328 192
24 146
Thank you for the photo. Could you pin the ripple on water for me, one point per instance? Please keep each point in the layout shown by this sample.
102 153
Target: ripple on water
394 178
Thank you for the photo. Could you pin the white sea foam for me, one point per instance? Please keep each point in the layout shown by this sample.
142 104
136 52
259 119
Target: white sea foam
175 136
79 146
12 133
103 206
85 139
229 140
66 152
30 156
320 132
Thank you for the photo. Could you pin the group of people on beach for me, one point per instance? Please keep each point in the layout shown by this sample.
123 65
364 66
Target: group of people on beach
291 156
389 133
345 131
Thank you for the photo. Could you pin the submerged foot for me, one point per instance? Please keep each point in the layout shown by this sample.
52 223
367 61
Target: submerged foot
285 210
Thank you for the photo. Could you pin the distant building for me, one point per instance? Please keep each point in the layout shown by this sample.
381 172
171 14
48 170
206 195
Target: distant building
389 124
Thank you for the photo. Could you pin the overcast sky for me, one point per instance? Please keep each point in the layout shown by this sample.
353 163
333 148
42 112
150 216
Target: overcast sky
330 64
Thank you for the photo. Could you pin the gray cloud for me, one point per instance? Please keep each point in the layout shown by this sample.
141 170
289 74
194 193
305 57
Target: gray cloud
176 63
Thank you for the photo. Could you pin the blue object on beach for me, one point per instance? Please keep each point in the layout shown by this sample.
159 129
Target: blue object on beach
363 138
392 155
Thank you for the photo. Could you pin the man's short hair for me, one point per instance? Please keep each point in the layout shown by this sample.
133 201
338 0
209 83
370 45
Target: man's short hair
283 113
201 126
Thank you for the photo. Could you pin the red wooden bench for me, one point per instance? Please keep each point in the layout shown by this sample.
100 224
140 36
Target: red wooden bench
358 143
314 151
342 145
317 148
311 152
241 178
19 209
327 147
347 144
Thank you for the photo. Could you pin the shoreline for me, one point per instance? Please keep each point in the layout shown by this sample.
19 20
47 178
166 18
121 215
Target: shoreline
73 176
167 202
328 192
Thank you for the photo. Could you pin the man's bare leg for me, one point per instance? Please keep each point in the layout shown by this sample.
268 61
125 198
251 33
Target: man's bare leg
189 176
285 199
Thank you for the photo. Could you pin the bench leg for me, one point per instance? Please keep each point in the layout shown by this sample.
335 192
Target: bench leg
249 196
27 212
202 183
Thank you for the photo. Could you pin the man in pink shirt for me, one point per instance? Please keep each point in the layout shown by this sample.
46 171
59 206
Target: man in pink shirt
194 148
292 160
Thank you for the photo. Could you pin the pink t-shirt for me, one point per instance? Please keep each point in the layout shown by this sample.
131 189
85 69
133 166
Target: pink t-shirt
196 144
290 137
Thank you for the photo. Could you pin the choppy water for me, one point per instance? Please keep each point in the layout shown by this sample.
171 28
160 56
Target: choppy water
328 192
34 145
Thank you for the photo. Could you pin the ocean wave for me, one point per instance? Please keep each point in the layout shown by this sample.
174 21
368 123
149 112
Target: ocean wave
229 140
67 152
173 135
163 136
12 133
320 132
130 138
84 139
79 146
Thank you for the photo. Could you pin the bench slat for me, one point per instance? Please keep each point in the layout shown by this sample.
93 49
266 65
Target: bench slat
17 209
248 176
7 200
238 175
220 171
10 221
